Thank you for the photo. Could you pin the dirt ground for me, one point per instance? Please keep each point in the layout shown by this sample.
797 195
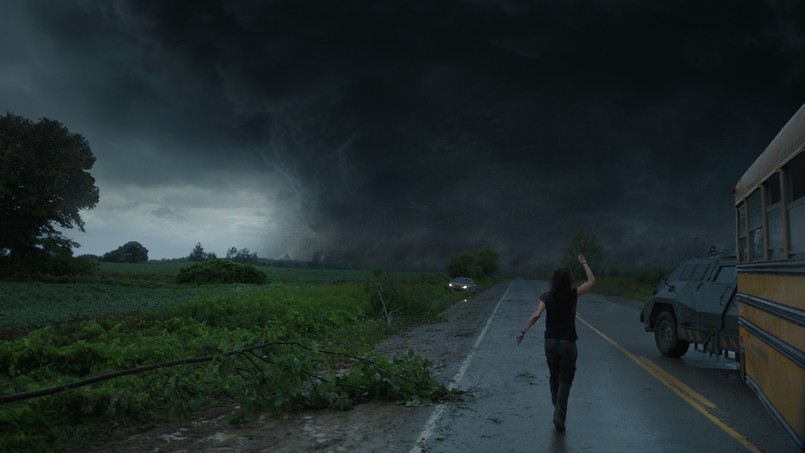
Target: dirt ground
371 427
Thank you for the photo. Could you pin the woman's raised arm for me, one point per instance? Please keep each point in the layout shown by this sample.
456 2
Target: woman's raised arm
586 286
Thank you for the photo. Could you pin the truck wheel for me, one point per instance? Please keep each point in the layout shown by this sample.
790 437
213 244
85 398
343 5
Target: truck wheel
667 338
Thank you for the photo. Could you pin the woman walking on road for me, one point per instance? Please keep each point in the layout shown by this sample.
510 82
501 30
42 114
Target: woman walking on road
560 335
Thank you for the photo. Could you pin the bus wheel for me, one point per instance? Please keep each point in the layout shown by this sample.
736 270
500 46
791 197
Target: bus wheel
667 338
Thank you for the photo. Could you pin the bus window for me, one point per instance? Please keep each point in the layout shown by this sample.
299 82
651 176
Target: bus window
755 216
774 218
795 177
742 232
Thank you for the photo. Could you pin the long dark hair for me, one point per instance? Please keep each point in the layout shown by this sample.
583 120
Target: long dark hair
561 281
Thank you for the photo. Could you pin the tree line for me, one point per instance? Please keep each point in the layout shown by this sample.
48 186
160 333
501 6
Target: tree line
233 254
45 182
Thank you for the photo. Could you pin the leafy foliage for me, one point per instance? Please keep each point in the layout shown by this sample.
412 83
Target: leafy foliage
392 296
198 253
221 271
42 264
130 252
272 347
477 264
44 180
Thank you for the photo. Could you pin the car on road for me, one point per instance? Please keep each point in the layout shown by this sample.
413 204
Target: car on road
463 284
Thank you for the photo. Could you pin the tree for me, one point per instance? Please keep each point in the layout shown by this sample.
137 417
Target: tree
463 265
583 242
478 264
241 256
232 253
130 252
198 253
44 182
488 259
244 256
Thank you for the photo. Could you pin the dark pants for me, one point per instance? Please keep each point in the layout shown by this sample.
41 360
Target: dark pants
561 355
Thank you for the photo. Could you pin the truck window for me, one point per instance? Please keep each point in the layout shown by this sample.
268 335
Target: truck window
726 274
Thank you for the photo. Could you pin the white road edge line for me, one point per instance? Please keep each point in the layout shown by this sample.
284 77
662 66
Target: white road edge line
430 425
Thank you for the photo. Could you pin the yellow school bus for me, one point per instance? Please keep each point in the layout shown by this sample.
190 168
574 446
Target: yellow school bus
770 249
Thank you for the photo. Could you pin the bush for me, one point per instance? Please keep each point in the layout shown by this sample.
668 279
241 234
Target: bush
42 264
130 252
410 298
478 264
221 271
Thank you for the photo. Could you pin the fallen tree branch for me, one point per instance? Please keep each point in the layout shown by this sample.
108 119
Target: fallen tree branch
103 377
156 366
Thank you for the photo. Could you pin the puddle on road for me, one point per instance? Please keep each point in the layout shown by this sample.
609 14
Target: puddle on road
714 363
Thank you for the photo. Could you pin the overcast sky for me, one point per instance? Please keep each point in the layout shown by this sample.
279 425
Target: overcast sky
408 130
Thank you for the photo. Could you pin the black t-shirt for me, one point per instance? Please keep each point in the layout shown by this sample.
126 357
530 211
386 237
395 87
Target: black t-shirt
560 318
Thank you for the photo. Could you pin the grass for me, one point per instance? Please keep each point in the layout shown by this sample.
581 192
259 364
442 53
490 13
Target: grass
119 288
157 270
627 287
129 315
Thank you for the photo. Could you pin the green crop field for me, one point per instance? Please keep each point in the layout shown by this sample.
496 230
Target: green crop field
152 346
36 304
274 273
125 288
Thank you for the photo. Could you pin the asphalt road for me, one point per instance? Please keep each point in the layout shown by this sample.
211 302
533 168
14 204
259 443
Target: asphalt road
626 396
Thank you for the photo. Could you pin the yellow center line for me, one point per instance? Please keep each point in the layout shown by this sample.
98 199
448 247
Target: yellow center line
692 397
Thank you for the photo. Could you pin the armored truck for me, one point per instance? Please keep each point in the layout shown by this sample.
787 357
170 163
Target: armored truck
695 303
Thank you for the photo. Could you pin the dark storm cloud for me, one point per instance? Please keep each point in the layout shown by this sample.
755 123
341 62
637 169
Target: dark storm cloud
412 130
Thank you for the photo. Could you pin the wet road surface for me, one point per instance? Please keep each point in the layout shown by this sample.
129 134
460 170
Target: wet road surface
626 396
